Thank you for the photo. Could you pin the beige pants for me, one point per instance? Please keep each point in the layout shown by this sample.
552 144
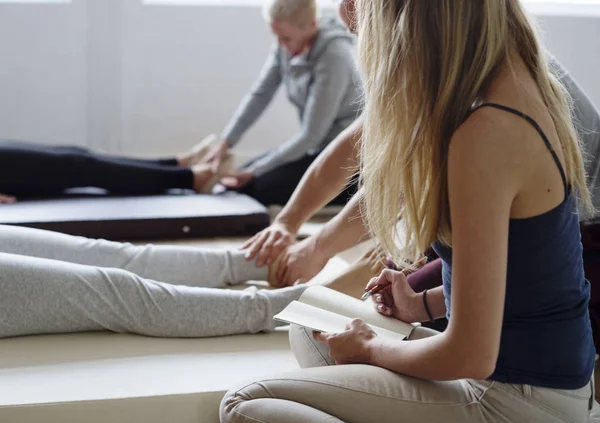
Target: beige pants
325 393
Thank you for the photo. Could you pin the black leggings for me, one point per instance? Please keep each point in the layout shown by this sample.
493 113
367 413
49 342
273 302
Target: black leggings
34 170
277 186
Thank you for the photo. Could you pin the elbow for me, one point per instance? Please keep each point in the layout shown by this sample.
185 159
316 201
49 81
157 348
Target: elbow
479 369
475 361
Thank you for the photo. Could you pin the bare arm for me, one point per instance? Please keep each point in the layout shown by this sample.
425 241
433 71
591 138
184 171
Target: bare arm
328 175
483 183
336 165
302 261
344 231
436 303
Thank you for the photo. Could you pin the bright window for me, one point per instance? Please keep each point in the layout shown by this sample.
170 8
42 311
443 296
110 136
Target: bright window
34 1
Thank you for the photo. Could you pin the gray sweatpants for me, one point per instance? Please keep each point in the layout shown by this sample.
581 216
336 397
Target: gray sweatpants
56 283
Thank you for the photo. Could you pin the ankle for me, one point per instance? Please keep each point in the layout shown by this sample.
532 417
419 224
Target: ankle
203 178
273 271
183 160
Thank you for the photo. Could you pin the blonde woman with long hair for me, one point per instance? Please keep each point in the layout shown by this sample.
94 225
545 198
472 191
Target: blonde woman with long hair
468 138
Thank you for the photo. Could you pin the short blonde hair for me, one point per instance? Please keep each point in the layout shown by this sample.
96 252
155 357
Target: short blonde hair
298 12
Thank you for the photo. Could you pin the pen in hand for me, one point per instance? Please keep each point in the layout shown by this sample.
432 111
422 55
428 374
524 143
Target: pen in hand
380 287
374 290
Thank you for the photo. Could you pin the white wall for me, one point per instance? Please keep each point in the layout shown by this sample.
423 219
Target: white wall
153 79
576 42
43 72
185 70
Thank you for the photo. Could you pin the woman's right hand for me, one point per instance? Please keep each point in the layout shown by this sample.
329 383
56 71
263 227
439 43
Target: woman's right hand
397 299
268 244
7 199
301 262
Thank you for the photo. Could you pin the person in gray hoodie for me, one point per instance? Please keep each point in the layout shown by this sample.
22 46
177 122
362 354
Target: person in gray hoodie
315 61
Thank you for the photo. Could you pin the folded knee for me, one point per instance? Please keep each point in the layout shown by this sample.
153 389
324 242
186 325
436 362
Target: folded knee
236 406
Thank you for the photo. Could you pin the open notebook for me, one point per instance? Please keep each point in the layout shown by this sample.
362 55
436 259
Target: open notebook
324 310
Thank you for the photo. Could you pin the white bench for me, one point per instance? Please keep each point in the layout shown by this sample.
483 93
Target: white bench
103 377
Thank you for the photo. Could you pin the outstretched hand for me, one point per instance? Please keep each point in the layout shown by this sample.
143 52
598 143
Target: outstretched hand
301 262
269 243
237 180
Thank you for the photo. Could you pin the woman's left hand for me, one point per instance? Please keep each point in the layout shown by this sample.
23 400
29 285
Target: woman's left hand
237 180
354 346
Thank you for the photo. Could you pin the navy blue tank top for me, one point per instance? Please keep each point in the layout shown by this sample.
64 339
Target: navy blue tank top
546 333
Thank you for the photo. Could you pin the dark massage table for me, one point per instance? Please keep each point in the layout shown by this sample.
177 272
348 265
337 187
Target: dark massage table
137 218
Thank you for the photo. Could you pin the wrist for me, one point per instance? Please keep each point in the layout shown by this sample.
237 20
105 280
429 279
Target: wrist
288 222
418 312
322 245
372 350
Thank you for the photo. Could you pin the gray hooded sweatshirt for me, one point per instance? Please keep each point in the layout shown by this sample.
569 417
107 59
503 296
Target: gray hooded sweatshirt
587 121
323 84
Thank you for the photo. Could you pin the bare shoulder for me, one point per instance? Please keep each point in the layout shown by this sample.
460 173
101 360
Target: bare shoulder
489 140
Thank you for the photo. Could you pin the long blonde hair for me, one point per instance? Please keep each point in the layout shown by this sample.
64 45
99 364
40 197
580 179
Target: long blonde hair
425 62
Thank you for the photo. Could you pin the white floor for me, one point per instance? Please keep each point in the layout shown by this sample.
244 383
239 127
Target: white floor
110 378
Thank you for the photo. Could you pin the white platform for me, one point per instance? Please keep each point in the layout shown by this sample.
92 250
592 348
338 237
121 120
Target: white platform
110 378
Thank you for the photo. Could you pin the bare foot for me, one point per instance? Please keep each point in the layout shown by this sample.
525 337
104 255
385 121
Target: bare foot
203 176
354 279
196 153
273 269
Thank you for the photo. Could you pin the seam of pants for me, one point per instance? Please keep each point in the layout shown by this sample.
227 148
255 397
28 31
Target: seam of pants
314 349
239 413
335 385
483 390
237 393
534 402
267 390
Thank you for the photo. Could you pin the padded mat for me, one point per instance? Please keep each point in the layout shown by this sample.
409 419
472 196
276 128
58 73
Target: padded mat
152 217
